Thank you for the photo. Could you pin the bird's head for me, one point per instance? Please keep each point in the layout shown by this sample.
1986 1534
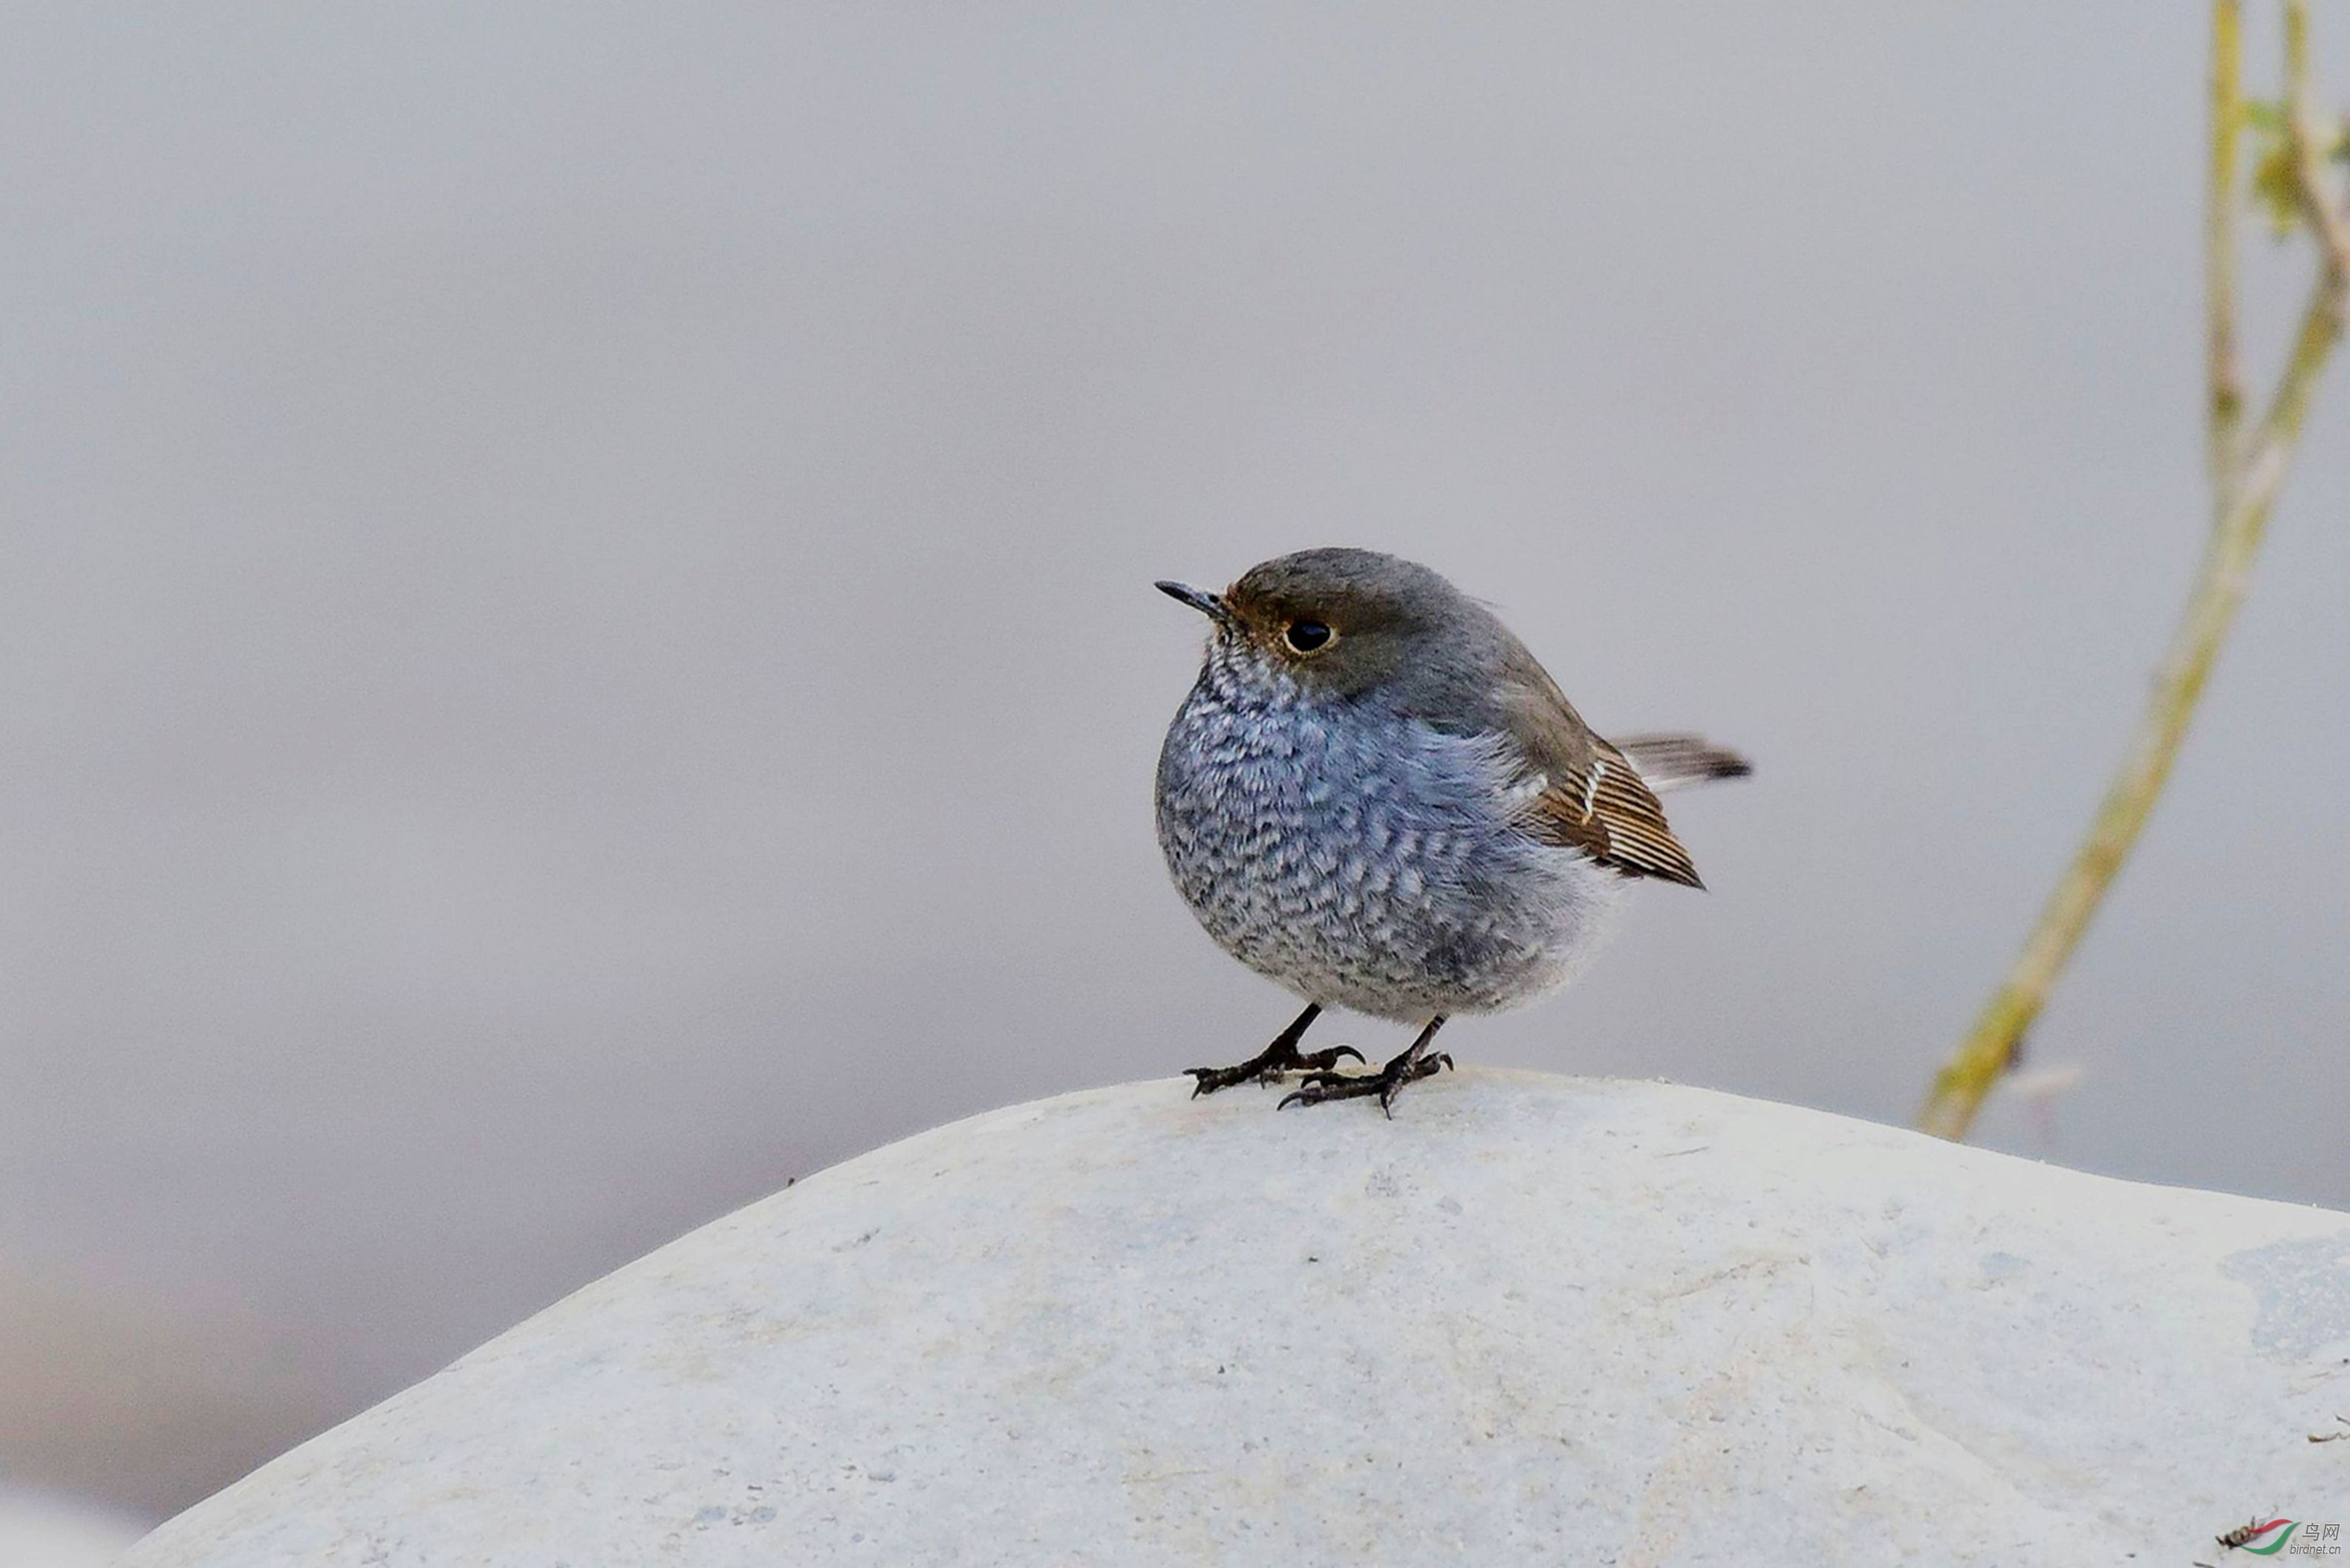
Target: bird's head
1339 622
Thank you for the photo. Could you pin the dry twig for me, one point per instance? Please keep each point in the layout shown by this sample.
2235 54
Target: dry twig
2246 478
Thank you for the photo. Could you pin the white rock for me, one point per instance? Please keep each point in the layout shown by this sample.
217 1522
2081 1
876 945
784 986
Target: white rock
1531 1320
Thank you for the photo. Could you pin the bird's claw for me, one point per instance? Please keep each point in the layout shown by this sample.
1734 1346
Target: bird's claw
1266 1067
1208 1080
1386 1083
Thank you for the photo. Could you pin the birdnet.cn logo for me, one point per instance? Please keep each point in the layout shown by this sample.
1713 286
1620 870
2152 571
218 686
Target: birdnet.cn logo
2284 1537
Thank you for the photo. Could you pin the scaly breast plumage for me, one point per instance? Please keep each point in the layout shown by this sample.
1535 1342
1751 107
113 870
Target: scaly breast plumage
1365 864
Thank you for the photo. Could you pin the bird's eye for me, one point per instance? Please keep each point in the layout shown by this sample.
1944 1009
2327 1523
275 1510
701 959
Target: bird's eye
1305 636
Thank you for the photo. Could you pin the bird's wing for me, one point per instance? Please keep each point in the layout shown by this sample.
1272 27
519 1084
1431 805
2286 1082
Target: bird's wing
1584 793
1604 808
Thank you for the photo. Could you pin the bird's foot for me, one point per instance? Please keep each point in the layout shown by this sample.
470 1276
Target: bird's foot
1386 1083
1275 1061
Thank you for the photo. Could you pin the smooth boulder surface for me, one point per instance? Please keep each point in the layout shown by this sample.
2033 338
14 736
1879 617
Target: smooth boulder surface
1531 1320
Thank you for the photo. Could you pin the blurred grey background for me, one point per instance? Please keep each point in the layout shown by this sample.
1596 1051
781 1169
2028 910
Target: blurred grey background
575 636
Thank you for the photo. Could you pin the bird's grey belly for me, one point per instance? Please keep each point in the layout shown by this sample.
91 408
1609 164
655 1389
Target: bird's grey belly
1369 866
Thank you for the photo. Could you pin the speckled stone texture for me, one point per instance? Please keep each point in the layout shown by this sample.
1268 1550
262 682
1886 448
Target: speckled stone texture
1531 1320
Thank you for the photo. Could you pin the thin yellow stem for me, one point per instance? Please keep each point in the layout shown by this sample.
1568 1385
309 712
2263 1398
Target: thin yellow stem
2224 366
2312 144
1990 1050
2245 482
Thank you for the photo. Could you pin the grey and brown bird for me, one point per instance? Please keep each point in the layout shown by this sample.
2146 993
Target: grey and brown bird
1376 796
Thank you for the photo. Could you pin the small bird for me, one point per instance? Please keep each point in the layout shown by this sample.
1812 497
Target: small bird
1376 797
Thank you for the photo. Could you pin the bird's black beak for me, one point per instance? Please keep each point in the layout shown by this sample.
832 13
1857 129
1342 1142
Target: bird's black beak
1207 604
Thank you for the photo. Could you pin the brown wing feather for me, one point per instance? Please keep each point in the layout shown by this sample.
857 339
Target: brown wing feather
1603 808
1591 797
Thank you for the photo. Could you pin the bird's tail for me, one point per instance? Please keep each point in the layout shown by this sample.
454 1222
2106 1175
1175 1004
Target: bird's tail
1676 761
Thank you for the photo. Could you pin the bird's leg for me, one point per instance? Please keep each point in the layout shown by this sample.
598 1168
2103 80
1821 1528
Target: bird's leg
1280 1056
1416 1062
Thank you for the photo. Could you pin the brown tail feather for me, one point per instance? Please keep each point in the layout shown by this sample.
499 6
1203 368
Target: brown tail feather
1676 761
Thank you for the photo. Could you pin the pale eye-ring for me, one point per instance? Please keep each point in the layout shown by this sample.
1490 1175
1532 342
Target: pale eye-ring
1305 636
